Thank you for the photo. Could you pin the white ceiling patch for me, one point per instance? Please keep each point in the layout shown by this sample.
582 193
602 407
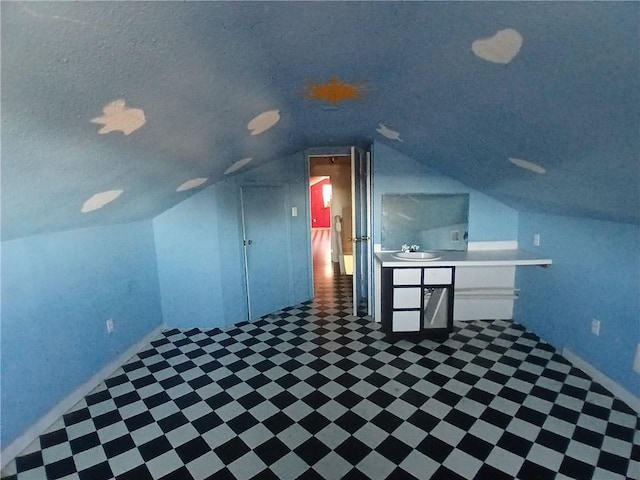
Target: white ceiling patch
120 118
99 200
264 122
501 48
189 184
528 165
238 165
387 132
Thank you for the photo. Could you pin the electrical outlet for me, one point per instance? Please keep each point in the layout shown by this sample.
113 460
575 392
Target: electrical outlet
636 360
536 240
595 326
110 325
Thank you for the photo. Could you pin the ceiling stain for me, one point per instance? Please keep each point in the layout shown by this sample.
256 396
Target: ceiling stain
237 165
190 184
99 200
35 14
334 91
118 117
263 122
500 48
527 165
387 132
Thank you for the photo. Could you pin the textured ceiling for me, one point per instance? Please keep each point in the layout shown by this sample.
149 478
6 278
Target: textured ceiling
136 98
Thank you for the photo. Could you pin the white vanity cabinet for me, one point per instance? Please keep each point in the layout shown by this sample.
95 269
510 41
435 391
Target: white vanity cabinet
414 298
417 301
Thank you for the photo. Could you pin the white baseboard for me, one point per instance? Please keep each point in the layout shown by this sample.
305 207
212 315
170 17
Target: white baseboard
619 391
38 428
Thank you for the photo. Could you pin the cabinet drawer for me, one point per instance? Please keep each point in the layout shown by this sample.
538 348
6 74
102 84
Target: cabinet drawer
407 297
437 276
407 276
406 321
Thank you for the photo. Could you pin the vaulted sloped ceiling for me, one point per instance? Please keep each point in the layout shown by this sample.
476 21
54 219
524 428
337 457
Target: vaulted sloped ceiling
115 111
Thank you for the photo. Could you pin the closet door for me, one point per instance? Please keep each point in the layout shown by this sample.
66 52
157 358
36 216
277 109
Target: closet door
265 227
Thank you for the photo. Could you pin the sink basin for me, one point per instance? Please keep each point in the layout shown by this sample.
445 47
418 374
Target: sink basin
418 256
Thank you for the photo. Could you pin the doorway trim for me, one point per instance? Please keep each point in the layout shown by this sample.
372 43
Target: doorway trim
344 154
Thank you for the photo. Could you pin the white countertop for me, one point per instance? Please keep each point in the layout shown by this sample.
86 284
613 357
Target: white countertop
472 258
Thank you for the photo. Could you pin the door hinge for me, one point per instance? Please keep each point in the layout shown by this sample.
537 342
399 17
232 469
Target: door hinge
246 242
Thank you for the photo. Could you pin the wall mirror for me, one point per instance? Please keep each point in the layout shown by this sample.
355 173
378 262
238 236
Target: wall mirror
432 221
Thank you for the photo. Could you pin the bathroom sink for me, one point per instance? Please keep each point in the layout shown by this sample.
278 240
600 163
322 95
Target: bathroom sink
418 256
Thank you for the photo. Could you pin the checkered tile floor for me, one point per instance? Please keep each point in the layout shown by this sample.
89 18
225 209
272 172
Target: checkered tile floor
314 393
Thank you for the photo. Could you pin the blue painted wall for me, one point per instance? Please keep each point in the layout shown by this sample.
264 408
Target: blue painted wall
187 267
394 172
595 274
58 290
199 248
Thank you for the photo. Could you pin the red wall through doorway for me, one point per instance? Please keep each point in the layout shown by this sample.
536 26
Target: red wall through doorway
320 216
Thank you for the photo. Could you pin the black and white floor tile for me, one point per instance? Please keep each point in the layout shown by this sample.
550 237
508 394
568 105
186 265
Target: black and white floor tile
312 392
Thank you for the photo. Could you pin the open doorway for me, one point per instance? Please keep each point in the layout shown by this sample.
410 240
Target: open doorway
331 243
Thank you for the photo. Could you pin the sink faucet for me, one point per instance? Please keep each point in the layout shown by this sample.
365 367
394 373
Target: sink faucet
410 248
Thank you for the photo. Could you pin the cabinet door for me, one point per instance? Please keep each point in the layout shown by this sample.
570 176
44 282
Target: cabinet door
406 321
407 297
436 307
407 276
438 276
